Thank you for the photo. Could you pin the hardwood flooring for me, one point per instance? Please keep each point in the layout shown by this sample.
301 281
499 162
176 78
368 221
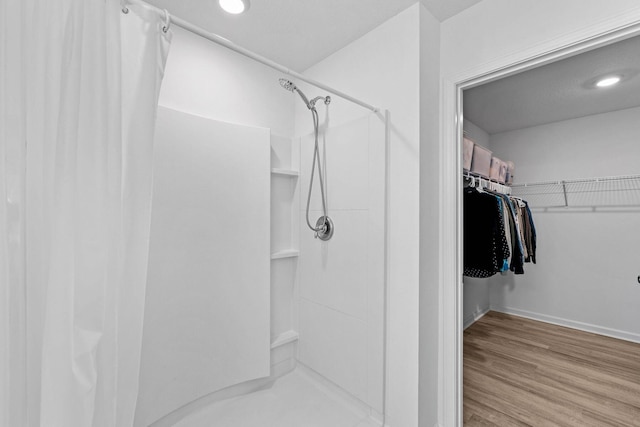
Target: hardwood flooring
521 372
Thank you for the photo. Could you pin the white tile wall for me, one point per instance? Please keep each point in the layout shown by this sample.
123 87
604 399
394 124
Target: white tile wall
198 258
342 280
283 272
334 345
334 273
347 159
280 152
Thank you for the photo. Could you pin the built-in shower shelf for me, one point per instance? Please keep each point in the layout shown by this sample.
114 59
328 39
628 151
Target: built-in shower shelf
285 172
284 338
287 253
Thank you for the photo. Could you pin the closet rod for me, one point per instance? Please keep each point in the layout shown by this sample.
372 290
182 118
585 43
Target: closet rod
487 183
230 45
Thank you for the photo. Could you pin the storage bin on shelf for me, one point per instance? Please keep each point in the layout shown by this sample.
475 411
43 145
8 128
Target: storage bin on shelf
467 153
481 162
511 169
494 170
498 170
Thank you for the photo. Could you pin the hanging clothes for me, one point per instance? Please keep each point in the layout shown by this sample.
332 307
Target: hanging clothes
529 233
527 229
507 230
485 242
534 238
517 259
499 234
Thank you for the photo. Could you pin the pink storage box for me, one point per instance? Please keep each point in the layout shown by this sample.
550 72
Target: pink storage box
498 170
481 163
511 169
503 172
467 153
494 170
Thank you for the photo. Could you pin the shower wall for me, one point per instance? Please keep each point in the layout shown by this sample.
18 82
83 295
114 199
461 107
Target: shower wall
332 295
207 80
384 68
342 279
206 318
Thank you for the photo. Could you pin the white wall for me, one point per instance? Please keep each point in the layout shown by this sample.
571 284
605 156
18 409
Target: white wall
587 260
598 145
498 29
476 299
208 80
429 309
476 134
383 69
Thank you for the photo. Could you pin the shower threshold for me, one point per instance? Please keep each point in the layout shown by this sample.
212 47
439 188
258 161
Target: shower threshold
294 400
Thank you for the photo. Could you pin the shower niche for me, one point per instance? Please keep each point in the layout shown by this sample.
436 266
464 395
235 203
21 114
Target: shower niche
285 182
328 296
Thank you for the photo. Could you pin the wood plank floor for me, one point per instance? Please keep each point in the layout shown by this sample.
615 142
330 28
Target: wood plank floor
521 372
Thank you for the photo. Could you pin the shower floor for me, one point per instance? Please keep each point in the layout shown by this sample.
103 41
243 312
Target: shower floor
294 400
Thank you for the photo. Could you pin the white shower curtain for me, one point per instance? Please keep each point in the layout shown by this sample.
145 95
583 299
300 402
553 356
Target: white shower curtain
12 182
78 97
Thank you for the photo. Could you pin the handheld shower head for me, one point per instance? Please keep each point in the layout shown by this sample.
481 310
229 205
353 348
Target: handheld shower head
324 226
288 85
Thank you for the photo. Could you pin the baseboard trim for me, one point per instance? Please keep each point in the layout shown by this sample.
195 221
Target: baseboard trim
587 327
474 317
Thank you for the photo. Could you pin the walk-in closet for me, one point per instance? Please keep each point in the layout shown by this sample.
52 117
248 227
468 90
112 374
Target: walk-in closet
551 215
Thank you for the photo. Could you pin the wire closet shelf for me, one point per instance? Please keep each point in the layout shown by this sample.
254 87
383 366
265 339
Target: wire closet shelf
613 191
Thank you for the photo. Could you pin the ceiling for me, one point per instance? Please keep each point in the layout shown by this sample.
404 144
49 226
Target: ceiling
558 91
445 9
300 33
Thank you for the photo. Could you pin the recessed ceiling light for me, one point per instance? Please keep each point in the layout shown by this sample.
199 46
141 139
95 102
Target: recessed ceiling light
608 81
234 6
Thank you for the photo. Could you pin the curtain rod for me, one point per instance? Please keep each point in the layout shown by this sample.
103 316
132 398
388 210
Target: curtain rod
239 49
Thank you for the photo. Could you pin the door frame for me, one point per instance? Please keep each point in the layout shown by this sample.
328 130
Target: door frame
450 236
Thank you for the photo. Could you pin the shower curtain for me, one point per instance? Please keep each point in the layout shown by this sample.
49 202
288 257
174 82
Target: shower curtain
79 85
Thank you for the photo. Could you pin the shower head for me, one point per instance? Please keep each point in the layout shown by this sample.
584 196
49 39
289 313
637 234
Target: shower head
288 85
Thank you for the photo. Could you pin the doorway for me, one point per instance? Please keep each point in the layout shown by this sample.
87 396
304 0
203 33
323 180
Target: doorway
451 236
